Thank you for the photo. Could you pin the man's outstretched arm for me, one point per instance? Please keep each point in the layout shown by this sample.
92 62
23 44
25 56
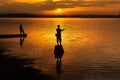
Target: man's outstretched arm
62 29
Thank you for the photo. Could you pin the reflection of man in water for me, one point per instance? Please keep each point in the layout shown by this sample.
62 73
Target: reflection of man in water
21 29
58 65
58 35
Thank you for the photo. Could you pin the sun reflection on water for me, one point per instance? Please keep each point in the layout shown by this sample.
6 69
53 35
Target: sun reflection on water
89 44
75 37
73 34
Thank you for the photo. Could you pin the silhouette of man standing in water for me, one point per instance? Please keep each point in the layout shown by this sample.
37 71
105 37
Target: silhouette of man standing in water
58 35
21 29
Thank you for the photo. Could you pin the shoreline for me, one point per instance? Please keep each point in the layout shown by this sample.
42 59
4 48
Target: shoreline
15 68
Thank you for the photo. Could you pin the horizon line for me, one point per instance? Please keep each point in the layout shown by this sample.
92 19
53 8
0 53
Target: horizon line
25 15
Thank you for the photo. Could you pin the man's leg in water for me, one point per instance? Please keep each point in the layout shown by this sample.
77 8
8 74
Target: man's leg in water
60 40
57 40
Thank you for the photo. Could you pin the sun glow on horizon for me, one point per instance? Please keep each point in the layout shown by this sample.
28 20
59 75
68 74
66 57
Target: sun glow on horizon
59 10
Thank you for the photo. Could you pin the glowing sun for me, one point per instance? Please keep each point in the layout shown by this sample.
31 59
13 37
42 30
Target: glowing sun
59 10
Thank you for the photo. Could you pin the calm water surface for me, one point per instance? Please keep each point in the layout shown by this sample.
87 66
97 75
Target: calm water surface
92 46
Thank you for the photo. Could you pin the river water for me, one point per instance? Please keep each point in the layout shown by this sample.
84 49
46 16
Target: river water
91 46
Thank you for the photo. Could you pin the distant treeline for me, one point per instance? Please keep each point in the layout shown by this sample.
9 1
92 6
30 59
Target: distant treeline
26 15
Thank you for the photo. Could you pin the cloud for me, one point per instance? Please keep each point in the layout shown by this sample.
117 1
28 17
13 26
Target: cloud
10 6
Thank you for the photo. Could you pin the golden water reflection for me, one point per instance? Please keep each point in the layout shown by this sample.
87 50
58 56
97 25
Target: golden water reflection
76 37
45 35
89 44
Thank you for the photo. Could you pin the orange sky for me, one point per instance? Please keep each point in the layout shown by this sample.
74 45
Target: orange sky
65 6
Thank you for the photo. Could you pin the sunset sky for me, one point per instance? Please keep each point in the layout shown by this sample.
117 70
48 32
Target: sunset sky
60 7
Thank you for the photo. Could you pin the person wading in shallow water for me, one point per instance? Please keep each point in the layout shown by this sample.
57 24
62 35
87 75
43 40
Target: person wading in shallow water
58 34
21 29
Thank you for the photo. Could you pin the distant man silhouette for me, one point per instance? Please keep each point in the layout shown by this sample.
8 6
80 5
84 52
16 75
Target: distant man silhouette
21 29
58 35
